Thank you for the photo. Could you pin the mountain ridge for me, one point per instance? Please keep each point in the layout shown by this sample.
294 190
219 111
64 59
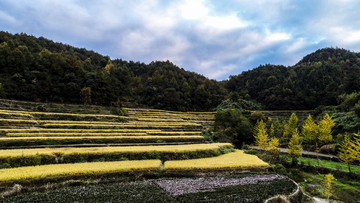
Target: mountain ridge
38 69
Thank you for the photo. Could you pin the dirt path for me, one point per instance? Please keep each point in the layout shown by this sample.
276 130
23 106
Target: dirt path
306 153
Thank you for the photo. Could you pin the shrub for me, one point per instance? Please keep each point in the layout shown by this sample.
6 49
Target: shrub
232 126
118 111
40 108
255 117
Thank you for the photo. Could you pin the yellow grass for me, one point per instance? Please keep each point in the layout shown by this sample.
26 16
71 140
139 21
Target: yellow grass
80 130
29 172
101 150
160 120
62 114
17 120
100 137
173 133
71 134
237 159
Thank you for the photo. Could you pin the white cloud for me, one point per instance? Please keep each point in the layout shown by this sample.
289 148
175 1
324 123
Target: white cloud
296 45
6 17
214 38
193 9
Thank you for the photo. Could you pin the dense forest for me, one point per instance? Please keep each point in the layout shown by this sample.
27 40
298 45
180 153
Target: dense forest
318 79
38 69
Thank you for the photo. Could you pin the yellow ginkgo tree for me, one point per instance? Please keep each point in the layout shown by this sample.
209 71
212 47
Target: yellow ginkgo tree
327 183
325 127
346 153
310 131
294 148
355 148
261 136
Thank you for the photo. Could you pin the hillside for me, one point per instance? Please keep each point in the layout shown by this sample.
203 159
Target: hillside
318 79
38 69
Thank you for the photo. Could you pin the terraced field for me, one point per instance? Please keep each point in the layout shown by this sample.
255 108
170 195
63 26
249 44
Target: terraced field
51 147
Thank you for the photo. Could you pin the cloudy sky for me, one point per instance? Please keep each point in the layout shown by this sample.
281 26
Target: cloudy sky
211 37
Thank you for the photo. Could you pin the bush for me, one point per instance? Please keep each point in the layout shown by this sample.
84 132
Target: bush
40 108
232 126
256 116
357 109
118 111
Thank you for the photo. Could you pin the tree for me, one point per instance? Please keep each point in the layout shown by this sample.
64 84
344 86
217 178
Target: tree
355 148
325 127
345 154
292 125
328 185
2 92
232 126
260 135
294 148
86 95
273 146
174 84
186 89
310 130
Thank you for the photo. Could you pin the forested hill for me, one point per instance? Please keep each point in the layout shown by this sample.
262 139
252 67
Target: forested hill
318 79
38 69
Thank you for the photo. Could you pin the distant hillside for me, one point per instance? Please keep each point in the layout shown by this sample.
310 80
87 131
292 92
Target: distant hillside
316 80
38 69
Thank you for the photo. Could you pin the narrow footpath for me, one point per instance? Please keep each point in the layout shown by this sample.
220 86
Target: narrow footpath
306 154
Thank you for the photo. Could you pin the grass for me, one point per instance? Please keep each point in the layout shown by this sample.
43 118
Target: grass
329 164
31 141
72 134
37 130
346 189
44 156
237 159
32 172
99 150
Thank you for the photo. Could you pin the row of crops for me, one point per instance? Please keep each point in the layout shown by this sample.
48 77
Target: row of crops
51 147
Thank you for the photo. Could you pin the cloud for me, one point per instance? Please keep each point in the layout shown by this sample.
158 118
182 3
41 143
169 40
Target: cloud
211 37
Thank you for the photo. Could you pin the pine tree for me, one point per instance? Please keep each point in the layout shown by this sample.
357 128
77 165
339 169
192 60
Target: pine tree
325 130
345 154
261 137
294 148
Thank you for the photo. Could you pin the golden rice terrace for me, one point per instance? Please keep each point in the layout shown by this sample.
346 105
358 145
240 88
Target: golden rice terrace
75 141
